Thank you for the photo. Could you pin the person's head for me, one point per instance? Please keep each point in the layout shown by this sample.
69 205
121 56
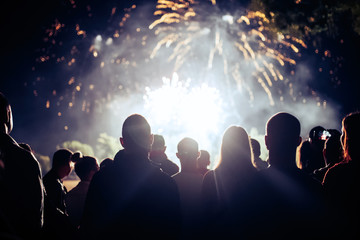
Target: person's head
136 135
317 138
333 151
204 160
158 144
86 167
350 137
282 139
62 162
236 150
6 119
188 153
316 133
106 162
255 147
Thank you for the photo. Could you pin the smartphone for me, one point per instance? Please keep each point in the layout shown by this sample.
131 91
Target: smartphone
323 135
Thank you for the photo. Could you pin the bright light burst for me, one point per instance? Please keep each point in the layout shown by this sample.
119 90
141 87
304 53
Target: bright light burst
184 109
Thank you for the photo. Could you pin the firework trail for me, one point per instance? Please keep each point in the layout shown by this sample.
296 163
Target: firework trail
184 34
239 41
104 62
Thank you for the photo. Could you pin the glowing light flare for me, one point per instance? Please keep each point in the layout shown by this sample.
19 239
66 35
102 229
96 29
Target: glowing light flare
190 109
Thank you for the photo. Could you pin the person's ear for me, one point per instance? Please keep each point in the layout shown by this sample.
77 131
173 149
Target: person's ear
178 155
198 154
122 142
164 149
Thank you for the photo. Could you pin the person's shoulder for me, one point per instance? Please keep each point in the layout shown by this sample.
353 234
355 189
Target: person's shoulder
339 168
209 177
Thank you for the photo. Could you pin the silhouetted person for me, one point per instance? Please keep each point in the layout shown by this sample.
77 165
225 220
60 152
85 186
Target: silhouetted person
341 181
293 200
332 152
133 198
21 189
158 156
61 168
311 152
189 182
229 196
56 221
258 162
203 162
106 162
85 168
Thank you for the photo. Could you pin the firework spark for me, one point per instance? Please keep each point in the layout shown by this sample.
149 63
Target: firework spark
111 65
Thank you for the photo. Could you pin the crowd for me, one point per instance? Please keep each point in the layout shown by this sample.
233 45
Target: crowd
305 189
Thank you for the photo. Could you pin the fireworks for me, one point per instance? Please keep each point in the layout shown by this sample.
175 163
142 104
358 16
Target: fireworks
133 52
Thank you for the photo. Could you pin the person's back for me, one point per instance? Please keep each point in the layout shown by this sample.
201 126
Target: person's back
21 198
85 168
132 198
341 182
230 190
292 198
189 182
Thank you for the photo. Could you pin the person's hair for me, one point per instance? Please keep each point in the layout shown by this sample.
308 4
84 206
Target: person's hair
187 146
61 157
85 165
236 152
4 111
106 162
136 131
283 125
204 159
284 131
159 142
351 138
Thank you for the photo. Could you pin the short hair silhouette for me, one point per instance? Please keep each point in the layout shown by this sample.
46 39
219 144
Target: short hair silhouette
85 165
136 133
187 146
283 126
106 162
159 143
204 159
61 157
282 138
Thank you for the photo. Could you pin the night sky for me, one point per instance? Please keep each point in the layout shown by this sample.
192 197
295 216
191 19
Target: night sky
23 27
